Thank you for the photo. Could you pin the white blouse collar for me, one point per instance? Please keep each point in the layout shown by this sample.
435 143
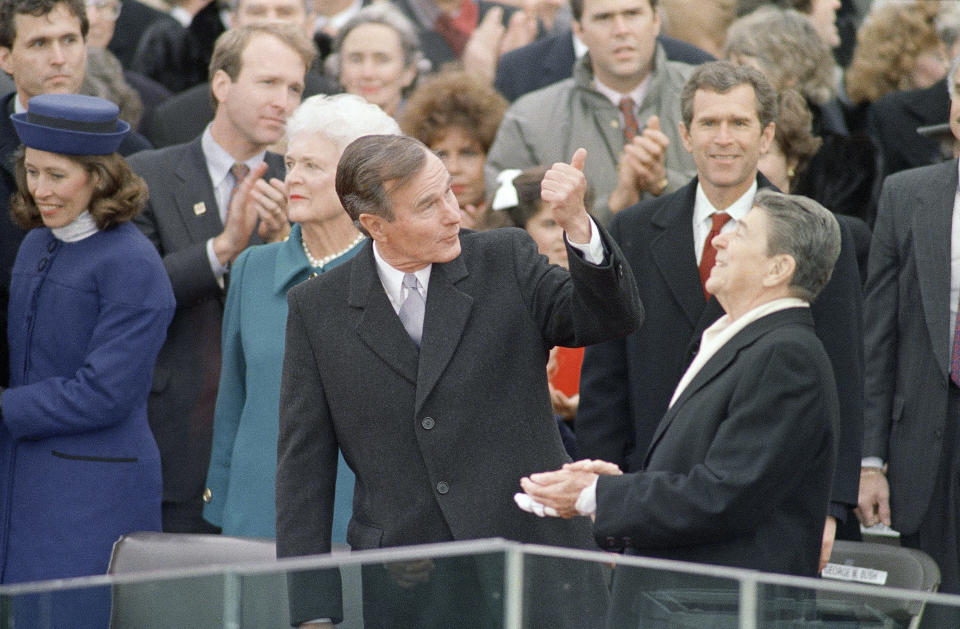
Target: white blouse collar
79 228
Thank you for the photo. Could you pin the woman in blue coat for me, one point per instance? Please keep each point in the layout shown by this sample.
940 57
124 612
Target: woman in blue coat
89 307
243 462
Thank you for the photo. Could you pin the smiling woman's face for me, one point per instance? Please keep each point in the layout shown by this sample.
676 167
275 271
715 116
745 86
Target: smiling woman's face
371 66
61 188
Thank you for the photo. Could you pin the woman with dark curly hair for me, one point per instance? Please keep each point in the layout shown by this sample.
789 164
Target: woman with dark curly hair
90 303
457 116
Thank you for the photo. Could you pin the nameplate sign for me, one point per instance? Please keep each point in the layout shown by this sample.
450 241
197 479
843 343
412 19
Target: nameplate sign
853 573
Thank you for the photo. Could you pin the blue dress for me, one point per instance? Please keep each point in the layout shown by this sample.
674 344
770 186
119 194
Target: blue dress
78 463
243 461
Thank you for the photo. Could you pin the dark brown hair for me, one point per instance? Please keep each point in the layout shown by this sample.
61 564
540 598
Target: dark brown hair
794 134
10 9
723 76
453 98
118 195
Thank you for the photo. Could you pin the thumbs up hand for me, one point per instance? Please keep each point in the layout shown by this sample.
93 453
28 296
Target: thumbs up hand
562 190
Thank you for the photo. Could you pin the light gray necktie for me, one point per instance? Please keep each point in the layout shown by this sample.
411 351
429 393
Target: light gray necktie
411 310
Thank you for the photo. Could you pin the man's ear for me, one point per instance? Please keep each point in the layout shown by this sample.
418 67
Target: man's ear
766 137
220 85
5 62
374 225
782 270
685 137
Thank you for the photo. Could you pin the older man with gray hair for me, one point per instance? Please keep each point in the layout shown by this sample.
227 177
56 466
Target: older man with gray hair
739 470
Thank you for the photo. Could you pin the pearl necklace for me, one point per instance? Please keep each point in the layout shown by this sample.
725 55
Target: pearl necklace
325 260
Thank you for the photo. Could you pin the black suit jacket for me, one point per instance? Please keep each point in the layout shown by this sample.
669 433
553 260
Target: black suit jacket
135 18
176 57
739 469
627 384
184 392
551 58
438 440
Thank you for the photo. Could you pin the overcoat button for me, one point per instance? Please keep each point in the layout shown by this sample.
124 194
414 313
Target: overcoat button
428 423
442 487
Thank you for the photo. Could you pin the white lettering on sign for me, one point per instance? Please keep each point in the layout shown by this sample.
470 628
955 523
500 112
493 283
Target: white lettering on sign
853 573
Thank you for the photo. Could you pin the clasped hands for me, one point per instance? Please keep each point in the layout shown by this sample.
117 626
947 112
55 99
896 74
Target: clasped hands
556 493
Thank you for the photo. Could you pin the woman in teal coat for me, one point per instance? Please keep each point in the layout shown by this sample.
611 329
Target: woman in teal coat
243 462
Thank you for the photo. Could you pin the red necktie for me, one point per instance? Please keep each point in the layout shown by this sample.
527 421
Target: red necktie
718 220
630 125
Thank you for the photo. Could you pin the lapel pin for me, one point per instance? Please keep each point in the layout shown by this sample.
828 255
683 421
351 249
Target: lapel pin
199 208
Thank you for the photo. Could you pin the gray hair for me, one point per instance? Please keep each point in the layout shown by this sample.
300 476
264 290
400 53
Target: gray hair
806 231
341 118
371 162
390 16
788 50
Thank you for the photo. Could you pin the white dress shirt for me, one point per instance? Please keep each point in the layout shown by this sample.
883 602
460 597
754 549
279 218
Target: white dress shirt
703 212
219 163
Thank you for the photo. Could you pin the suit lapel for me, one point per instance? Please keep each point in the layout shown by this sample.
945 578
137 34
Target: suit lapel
379 326
674 254
720 361
195 199
447 312
932 225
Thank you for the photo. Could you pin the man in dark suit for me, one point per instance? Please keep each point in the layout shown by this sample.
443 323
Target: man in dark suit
739 470
437 427
912 395
56 65
183 116
729 116
256 79
550 59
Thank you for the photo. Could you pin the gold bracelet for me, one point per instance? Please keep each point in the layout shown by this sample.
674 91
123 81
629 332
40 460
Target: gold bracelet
872 470
663 186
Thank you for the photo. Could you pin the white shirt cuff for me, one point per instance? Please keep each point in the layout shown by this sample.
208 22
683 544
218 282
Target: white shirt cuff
871 461
593 250
586 503
218 269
